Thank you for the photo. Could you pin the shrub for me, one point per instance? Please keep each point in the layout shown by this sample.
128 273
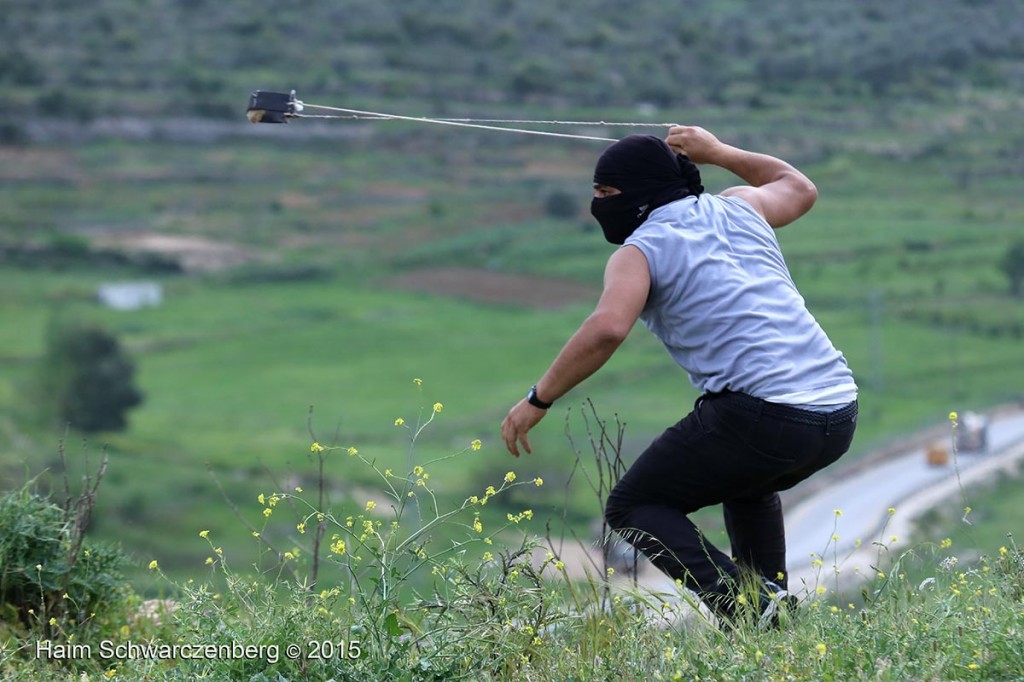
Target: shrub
50 578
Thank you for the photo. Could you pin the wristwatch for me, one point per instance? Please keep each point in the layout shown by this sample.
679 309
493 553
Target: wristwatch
532 398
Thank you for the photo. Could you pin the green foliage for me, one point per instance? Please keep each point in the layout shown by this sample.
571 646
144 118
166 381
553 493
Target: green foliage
198 57
562 205
331 601
89 378
49 579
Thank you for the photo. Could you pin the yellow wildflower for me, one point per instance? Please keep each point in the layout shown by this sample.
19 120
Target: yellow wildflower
267 512
399 422
417 470
476 444
209 560
352 452
153 564
418 382
438 407
262 499
370 505
953 416
510 476
821 649
204 533
538 481
316 447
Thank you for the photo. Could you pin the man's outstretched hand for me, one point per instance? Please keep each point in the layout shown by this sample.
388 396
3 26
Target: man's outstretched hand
519 420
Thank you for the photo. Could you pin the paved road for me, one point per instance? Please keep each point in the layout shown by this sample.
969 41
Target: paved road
904 482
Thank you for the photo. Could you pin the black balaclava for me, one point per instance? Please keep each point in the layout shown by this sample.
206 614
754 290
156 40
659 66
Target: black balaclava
648 174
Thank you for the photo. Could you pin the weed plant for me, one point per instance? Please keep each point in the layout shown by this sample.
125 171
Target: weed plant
410 587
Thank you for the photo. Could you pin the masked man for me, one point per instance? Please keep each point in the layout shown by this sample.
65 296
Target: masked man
706 275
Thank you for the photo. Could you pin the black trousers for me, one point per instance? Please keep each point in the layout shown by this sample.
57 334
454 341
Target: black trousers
735 450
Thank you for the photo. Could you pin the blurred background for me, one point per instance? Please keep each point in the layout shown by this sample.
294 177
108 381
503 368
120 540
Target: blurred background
200 298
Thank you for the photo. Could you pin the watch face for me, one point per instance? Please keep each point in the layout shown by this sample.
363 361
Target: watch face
532 398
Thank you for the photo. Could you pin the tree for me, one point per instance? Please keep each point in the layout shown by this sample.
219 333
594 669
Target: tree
89 379
561 204
1012 266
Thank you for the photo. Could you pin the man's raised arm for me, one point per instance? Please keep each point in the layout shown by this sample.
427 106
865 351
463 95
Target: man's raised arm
777 190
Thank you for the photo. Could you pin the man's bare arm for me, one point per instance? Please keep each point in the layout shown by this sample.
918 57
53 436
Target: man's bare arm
626 285
777 190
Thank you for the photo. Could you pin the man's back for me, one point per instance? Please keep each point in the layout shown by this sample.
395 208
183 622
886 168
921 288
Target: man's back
725 306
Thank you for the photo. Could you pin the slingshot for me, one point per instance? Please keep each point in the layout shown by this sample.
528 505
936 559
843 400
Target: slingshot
279 107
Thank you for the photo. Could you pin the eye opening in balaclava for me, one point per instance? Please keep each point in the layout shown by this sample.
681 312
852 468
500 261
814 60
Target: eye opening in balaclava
648 174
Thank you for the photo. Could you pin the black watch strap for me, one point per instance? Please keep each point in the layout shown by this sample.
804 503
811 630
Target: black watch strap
532 398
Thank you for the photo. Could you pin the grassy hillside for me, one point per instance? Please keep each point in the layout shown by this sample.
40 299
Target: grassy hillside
306 267
319 312
158 57
345 282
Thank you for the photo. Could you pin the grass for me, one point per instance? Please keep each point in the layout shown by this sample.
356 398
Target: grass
896 263
418 592
232 363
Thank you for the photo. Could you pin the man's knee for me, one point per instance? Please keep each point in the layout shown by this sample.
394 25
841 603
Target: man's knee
616 510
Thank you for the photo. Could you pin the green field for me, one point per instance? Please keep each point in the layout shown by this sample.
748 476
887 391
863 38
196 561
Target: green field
900 266
388 290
